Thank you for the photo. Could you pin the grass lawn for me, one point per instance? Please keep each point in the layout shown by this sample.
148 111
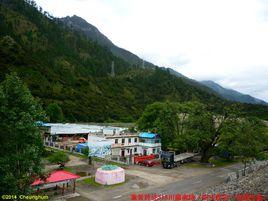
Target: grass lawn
91 181
69 169
222 162
68 152
85 157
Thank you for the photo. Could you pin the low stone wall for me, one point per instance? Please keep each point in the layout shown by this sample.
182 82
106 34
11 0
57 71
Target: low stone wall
61 147
248 170
254 180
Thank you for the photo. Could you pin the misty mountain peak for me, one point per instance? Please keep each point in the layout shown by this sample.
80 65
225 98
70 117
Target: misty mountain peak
79 24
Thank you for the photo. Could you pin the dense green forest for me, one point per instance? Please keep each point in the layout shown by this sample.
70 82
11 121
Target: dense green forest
191 126
63 67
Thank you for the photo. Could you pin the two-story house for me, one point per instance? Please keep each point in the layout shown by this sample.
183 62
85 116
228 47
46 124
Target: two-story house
150 143
124 146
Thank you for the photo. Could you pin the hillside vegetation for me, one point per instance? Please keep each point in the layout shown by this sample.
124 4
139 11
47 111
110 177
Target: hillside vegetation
62 66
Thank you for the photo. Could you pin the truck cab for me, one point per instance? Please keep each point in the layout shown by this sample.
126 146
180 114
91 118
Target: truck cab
167 159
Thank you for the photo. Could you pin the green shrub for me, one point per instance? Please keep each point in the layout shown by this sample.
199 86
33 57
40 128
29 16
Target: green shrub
58 157
262 156
85 151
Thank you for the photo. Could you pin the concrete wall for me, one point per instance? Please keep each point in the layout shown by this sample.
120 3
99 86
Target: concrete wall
257 165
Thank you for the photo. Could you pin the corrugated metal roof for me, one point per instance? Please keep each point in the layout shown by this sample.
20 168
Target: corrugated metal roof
147 135
71 128
94 141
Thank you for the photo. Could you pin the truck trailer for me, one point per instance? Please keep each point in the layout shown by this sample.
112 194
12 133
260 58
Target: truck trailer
169 159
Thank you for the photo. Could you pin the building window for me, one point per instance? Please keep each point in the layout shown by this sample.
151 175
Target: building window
123 140
116 141
129 140
142 140
157 141
135 149
136 139
154 151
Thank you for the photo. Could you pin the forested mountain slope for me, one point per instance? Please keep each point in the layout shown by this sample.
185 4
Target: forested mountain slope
79 24
63 66
231 94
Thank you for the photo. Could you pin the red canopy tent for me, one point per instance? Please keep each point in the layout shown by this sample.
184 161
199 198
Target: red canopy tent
57 177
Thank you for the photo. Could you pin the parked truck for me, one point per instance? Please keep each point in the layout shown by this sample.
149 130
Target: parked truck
169 159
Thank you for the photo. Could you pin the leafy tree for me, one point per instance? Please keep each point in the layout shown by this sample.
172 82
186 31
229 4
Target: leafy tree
160 118
54 112
58 157
246 138
170 120
85 151
206 128
21 144
132 129
190 126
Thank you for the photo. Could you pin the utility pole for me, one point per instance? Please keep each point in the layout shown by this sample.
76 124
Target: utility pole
112 69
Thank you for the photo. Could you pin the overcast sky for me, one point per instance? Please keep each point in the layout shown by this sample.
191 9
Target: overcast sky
221 40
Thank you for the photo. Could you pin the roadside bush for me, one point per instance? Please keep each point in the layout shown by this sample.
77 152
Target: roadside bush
85 151
46 153
58 157
262 156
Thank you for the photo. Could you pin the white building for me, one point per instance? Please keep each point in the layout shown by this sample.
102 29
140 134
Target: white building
105 141
149 143
127 145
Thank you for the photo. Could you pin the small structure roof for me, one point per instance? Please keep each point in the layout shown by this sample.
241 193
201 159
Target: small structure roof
40 123
109 167
94 141
148 135
56 176
72 128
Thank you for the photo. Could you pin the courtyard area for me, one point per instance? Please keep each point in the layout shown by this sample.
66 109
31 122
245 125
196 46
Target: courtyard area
188 178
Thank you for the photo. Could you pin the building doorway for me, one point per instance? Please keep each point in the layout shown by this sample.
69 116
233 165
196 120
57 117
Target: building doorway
145 152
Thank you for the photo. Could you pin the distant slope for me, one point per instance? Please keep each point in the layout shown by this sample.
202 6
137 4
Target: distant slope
231 94
63 66
79 24
228 94
174 72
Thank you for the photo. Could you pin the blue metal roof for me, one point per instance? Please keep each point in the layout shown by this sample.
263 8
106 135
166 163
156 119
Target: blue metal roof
81 146
40 123
147 135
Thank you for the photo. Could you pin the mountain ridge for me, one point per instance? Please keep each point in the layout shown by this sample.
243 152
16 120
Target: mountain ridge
62 66
231 94
79 24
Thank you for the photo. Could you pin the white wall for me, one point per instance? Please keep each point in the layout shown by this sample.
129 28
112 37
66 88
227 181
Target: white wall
128 145
132 144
